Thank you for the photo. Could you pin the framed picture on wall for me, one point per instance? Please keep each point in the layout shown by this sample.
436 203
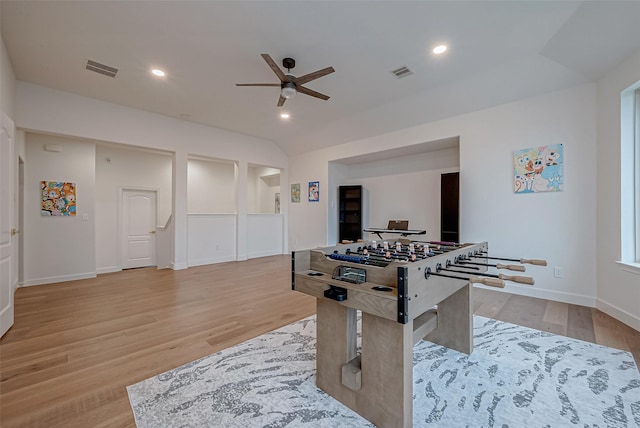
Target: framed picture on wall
295 192
314 191
58 198
538 169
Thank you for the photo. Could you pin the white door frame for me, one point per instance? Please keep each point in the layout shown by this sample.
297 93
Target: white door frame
19 251
8 228
121 242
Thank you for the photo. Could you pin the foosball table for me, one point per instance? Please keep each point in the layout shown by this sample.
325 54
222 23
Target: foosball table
405 293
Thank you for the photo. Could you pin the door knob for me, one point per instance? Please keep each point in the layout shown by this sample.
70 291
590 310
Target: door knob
153 231
14 231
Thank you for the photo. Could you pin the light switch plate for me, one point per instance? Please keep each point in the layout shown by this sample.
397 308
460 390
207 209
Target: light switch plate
558 272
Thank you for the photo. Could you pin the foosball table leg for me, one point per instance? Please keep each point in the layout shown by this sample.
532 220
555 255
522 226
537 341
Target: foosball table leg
455 322
381 388
336 346
386 398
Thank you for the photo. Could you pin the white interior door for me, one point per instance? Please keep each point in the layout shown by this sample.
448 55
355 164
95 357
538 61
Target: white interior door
138 228
7 231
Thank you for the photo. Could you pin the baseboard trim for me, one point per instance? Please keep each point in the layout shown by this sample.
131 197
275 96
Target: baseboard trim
264 254
54 279
558 296
211 261
109 269
619 314
178 266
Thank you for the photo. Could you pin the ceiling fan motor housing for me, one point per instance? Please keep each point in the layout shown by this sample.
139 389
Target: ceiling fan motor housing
288 63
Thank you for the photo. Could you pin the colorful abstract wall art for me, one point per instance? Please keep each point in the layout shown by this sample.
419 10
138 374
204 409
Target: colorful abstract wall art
58 198
538 169
314 191
295 192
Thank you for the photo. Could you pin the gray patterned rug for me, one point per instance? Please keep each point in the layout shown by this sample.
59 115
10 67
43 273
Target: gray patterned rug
516 377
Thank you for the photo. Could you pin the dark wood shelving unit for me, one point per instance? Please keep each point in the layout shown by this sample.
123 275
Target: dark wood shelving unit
450 207
350 212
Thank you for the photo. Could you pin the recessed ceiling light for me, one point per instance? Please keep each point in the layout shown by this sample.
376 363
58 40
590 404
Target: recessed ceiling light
439 49
285 115
158 72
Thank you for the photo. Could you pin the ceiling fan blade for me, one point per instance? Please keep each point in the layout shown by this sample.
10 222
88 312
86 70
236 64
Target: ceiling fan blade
275 68
281 101
258 84
308 91
313 76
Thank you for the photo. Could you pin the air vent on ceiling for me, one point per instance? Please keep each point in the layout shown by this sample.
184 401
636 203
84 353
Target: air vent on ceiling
402 72
101 68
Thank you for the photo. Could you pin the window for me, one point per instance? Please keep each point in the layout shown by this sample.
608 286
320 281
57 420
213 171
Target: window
630 174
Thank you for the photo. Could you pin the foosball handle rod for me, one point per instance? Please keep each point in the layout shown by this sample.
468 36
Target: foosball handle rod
519 279
493 282
534 262
515 268
483 254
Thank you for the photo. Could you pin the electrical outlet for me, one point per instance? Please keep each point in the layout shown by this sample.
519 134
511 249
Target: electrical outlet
558 272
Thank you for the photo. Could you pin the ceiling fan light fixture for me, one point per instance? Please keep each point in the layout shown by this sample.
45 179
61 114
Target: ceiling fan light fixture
288 90
440 49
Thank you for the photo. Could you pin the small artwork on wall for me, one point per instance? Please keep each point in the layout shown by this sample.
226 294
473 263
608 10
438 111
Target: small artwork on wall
295 192
58 198
314 191
538 169
277 203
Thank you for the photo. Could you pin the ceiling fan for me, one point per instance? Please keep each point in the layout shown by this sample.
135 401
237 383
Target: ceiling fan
291 85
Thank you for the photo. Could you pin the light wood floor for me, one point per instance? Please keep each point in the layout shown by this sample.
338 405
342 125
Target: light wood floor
75 346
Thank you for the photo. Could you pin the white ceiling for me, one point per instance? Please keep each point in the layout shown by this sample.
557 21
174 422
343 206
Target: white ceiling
499 51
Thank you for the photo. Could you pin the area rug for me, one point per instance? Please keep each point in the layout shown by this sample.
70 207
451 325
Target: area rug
516 377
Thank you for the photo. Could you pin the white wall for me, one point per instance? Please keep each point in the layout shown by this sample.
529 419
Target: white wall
268 188
308 220
262 185
212 238
406 188
7 83
618 286
266 235
559 227
165 245
118 168
59 248
46 110
211 187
